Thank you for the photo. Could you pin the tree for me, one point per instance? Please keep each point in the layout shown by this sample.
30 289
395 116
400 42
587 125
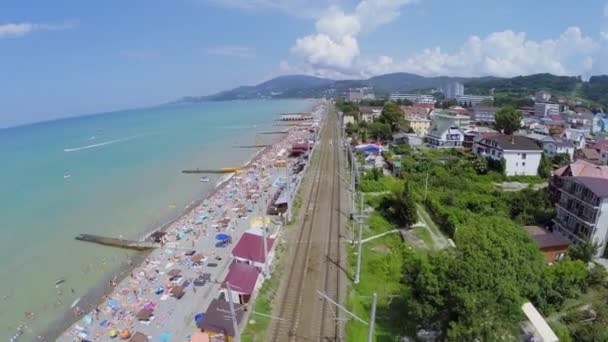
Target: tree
561 159
380 131
544 167
480 165
400 207
391 115
508 120
565 280
583 250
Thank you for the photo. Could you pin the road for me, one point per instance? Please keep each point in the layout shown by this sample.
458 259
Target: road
316 259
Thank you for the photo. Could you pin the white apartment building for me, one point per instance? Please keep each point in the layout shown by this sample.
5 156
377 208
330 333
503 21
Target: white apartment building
521 154
460 120
445 134
582 210
415 98
473 99
452 90
545 108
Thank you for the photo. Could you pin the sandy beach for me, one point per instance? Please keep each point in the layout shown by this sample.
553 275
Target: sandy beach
148 280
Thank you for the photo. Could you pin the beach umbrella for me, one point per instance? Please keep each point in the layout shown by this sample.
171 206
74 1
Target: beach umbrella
139 337
200 337
222 237
165 337
125 334
113 332
199 318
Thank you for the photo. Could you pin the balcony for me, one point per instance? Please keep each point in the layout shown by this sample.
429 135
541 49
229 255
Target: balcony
590 201
576 214
572 233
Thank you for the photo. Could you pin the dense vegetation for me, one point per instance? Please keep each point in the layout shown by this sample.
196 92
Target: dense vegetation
475 291
524 84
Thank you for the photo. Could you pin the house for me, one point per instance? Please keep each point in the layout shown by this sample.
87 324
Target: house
244 280
250 250
553 246
576 136
369 114
460 120
415 110
218 319
483 115
348 119
445 134
407 139
582 210
522 155
579 168
589 154
545 108
420 125
542 96
555 147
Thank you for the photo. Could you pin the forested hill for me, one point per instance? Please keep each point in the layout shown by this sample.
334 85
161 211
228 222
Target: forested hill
525 84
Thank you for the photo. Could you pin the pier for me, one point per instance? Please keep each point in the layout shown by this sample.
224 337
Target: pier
214 171
115 242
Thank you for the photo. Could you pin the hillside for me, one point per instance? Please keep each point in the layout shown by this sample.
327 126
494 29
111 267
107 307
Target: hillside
301 86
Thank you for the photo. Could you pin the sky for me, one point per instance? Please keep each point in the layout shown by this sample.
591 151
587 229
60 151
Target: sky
70 57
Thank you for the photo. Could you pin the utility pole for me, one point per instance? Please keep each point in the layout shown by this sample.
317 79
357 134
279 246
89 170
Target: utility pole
372 319
235 324
426 185
360 246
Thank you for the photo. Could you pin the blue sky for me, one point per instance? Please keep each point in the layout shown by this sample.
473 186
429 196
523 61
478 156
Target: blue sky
69 57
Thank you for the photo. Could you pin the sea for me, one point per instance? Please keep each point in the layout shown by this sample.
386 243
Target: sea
112 174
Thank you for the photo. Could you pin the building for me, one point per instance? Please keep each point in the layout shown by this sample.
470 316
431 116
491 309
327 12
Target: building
474 100
296 116
582 210
452 90
420 125
358 94
483 115
555 147
460 120
521 154
369 114
250 250
218 319
542 96
576 136
416 110
445 134
407 139
546 108
553 246
348 119
244 281
414 98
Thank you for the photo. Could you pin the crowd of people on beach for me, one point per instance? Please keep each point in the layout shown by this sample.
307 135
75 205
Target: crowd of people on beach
147 300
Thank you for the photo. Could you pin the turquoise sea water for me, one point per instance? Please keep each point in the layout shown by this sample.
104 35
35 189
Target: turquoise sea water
124 179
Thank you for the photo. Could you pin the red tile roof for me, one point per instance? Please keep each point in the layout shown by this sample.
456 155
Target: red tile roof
242 278
251 247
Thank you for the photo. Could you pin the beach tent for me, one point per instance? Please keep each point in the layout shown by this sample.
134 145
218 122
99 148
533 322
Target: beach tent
125 334
177 291
197 258
139 337
200 337
174 273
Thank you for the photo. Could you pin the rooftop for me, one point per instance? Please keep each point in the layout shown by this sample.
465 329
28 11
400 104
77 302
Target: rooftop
583 168
242 278
251 247
217 318
599 186
546 239
515 142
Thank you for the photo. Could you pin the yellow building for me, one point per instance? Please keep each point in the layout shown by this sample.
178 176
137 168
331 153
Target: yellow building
419 125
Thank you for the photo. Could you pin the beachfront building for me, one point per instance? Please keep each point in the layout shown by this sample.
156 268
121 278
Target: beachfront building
415 98
445 134
296 116
217 319
419 124
582 210
250 250
244 281
521 154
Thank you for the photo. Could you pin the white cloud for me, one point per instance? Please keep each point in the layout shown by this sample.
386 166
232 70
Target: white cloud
13 30
335 44
505 53
232 51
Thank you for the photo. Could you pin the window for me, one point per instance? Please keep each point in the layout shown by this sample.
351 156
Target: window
523 164
523 156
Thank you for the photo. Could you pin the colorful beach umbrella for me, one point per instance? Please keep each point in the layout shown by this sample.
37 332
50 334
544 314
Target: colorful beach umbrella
222 237
113 332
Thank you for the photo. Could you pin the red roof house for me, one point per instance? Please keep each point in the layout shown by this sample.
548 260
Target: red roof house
250 249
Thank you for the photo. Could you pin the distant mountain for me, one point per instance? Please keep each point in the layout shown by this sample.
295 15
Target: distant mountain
301 86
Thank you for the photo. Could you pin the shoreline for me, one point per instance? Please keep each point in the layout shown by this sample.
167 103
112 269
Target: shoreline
97 294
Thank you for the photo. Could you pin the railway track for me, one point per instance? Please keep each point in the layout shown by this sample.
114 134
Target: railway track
316 255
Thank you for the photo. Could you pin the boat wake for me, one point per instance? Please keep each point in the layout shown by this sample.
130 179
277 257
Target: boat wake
109 142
